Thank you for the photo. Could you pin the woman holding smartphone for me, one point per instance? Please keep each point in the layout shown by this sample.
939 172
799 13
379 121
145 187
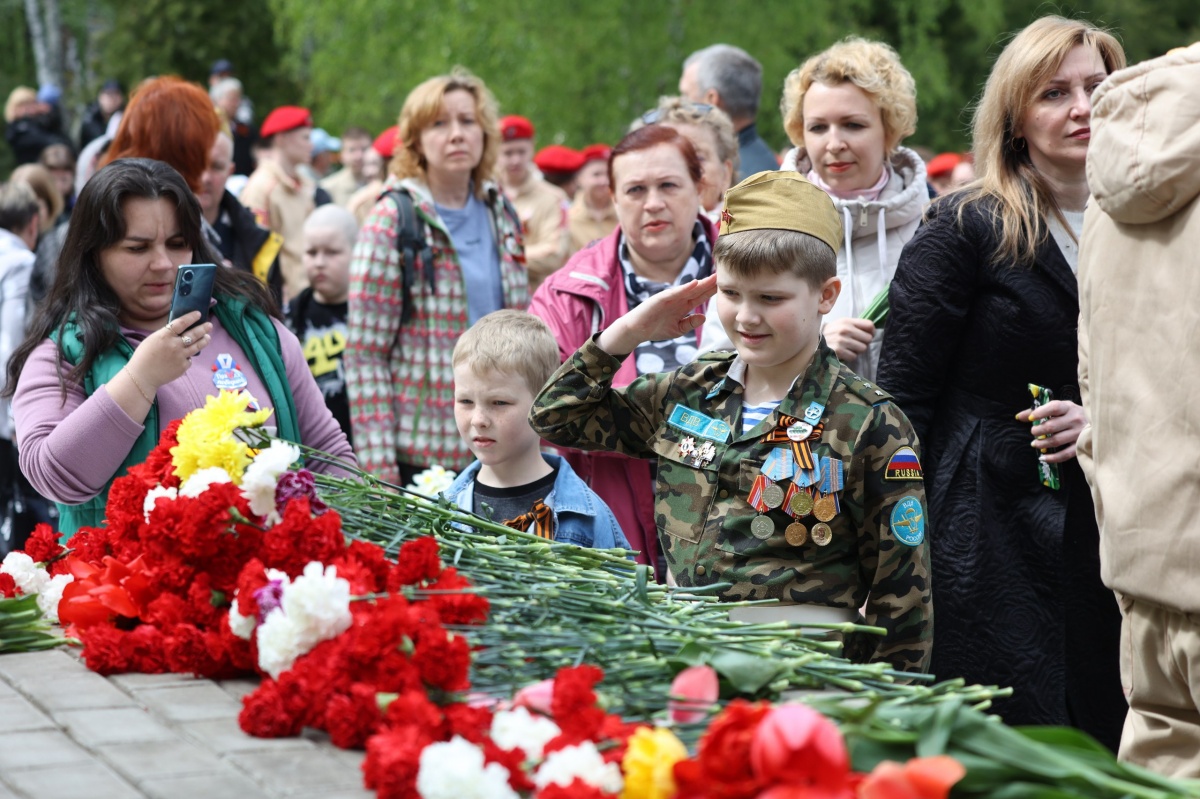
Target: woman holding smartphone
104 368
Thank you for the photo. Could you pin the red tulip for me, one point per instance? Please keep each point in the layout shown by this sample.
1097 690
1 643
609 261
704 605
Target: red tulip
693 692
795 744
536 697
919 778
97 595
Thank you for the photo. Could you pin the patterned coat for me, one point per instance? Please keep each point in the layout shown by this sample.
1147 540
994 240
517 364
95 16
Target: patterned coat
400 377
1017 564
702 511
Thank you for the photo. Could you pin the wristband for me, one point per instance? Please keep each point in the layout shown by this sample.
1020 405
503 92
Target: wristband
137 385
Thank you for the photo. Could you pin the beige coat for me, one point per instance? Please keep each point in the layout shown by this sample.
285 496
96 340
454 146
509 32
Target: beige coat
542 208
1139 352
281 203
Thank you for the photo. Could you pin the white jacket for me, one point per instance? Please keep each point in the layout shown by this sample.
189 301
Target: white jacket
16 265
874 233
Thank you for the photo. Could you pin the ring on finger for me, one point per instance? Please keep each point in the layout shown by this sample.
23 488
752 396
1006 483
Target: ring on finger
187 341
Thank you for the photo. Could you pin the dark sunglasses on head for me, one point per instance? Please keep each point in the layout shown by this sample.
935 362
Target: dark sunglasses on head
654 115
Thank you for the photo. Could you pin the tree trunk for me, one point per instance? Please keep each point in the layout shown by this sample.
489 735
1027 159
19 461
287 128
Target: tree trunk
45 32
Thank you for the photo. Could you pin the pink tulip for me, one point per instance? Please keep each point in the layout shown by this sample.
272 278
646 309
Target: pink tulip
536 697
693 693
795 744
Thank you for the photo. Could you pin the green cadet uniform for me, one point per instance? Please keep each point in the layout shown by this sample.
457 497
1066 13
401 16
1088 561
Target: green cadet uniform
871 552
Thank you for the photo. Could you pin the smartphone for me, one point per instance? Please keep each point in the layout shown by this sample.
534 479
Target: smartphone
193 291
1048 473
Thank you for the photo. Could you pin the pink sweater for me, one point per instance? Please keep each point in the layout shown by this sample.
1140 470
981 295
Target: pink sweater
70 450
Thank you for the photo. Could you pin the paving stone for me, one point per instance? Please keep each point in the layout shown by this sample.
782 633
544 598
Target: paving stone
38 749
203 786
92 780
341 793
199 701
104 726
224 736
6 792
170 758
15 667
18 713
293 773
137 682
6 690
73 692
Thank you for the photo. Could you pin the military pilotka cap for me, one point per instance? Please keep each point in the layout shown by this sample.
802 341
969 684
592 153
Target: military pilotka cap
782 200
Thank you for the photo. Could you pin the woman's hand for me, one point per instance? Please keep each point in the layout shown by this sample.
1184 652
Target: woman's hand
1064 422
666 315
849 338
165 355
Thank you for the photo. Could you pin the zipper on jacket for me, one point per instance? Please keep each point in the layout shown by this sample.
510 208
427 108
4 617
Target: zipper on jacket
862 217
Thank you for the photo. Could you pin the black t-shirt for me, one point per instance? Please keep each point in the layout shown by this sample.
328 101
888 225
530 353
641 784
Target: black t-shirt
322 332
502 504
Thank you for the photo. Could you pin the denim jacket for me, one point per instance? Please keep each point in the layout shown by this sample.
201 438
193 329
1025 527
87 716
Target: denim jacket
580 517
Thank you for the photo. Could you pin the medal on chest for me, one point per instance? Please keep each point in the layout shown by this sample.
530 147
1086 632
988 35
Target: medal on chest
227 375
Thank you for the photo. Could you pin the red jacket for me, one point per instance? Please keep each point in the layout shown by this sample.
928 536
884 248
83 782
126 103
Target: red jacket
577 301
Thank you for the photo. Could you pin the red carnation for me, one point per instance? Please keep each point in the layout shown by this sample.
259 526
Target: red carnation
90 545
513 761
472 723
578 789
721 768
352 718
8 586
393 761
43 545
102 650
443 660
265 713
418 561
145 650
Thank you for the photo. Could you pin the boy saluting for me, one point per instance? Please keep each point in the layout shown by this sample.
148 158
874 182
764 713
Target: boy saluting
780 471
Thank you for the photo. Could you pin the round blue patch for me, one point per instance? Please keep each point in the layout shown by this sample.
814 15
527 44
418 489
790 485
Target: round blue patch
908 521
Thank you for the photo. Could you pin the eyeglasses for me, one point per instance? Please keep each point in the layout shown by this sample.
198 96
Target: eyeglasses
655 115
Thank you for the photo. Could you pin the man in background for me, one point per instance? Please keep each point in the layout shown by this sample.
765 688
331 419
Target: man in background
729 78
541 207
342 184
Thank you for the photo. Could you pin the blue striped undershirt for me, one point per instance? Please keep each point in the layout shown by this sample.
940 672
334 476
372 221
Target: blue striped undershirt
753 414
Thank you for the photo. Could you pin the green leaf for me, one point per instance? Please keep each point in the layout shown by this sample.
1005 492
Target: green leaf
747 673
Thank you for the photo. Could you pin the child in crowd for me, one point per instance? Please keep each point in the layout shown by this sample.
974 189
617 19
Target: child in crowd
317 315
780 471
500 363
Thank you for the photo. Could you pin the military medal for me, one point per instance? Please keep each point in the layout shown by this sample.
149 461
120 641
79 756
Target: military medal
800 431
772 496
687 447
825 508
801 504
795 534
762 527
704 454
226 374
822 534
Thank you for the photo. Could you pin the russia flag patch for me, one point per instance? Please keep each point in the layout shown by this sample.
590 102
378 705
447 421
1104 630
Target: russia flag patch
904 465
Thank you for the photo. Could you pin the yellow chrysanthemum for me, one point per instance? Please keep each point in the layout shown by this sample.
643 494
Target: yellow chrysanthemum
206 436
649 764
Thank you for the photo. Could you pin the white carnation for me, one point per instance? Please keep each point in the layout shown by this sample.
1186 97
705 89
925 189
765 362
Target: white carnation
520 729
49 597
279 644
582 762
262 476
200 480
318 601
241 626
28 576
432 481
152 497
455 770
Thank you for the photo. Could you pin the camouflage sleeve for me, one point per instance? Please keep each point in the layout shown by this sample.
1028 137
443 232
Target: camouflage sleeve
579 407
894 558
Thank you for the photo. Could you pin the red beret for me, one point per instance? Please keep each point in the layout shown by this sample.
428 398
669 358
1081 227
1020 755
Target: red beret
513 128
557 158
285 118
942 164
385 143
596 152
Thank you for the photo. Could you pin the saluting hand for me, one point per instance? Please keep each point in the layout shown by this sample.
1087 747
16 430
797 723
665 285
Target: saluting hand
667 315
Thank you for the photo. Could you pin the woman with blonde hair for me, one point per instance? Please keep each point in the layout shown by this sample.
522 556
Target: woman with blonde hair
984 304
847 109
412 296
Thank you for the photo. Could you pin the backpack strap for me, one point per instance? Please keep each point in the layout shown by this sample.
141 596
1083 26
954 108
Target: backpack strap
412 244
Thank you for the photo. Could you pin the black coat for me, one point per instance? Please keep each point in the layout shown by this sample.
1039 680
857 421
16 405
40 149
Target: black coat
1016 565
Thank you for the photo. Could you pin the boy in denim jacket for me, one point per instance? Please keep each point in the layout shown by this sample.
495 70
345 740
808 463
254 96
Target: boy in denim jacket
500 363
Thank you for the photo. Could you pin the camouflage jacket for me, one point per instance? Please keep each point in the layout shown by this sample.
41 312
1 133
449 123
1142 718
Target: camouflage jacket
702 511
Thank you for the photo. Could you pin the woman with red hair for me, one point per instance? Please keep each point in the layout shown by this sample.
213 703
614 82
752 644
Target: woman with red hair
663 240
171 120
